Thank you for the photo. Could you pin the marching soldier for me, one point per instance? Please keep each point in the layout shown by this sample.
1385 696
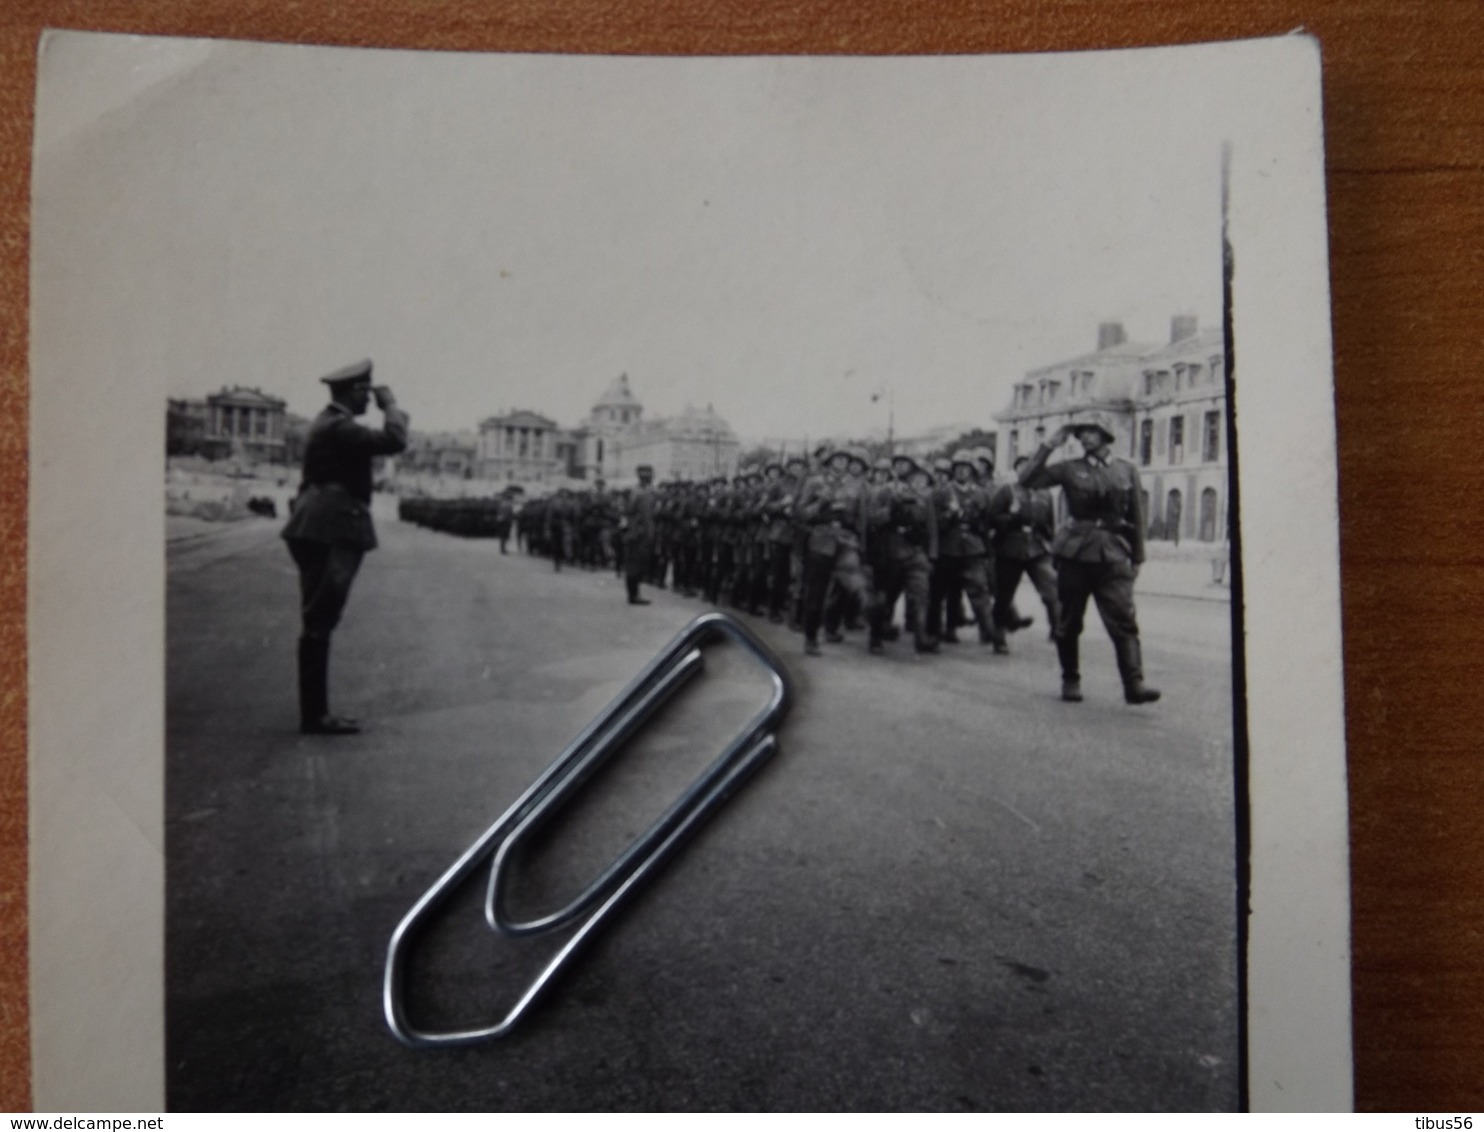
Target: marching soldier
963 553
638 531
330 528
904 542
1098 552
1024 521
778 505
835 513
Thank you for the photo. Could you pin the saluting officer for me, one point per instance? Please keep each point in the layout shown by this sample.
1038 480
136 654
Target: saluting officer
330 528
1098 552
638 533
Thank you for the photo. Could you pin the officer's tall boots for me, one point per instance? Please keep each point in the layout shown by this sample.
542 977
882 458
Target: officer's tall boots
314 691
1131 668
1071 672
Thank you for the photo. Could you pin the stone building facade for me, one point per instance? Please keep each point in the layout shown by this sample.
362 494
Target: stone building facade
520 446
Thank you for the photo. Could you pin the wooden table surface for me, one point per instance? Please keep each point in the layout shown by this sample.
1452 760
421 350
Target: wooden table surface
1404 118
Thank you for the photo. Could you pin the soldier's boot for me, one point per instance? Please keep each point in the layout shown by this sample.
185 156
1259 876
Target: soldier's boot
922 638
1131 668
314 694
634 598
1071 674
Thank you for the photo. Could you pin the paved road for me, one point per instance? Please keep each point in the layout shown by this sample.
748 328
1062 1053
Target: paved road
948 891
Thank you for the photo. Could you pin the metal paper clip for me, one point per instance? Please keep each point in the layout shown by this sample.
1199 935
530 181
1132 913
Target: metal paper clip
680 660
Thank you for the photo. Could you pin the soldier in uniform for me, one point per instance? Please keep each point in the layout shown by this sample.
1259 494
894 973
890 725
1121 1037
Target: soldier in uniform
638 533
330 528
904 543
778 505
560 519
1098 552
834 510
963 552
1024 521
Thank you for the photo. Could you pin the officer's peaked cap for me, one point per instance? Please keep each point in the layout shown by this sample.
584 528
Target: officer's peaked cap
357 373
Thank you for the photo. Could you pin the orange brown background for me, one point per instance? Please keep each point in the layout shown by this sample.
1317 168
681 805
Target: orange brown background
1404 122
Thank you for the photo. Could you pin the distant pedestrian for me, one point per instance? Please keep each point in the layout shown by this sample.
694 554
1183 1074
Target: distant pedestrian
1098 552
330 527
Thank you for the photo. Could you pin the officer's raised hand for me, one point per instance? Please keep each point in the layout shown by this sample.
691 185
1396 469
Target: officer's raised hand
384 398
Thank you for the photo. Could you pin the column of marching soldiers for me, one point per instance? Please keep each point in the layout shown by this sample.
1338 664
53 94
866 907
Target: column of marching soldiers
831 544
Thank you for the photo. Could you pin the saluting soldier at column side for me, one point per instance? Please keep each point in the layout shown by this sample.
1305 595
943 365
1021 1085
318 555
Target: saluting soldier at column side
330 530
637 525
1024 520
835 513
1098 552
905 542
963 559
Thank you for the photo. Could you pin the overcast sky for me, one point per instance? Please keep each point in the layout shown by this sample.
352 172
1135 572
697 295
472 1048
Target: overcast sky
781 238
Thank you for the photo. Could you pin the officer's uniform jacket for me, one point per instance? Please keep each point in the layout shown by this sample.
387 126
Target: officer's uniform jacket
1106 508
334 501
640 512
1024 522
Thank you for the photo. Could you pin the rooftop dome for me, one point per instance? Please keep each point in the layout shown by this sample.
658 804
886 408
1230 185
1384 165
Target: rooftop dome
618 395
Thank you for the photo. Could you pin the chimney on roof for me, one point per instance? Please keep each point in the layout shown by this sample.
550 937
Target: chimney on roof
1111 334
1183 326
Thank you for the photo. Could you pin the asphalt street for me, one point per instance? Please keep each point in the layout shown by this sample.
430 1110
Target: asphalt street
949 890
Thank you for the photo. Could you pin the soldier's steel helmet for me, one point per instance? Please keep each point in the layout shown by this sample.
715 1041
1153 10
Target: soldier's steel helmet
770 465
858 455
964 456
942 464
1097 421
882 464
644 469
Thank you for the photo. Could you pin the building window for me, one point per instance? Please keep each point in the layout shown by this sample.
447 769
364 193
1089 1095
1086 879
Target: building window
1146 442
1040 435
1179 373
1208 515
1053 390
1177 440
1211 445
1013 452
1172 515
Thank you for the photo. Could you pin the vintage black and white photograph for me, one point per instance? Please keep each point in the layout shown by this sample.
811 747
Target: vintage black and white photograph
482 378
